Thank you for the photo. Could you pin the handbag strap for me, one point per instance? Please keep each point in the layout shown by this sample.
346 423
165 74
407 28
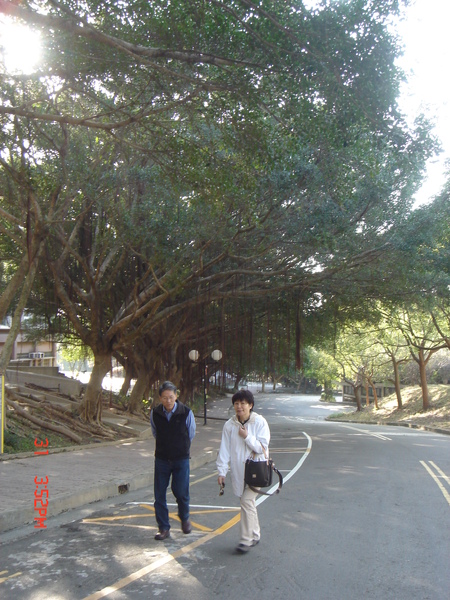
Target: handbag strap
280 483
266 456
273 467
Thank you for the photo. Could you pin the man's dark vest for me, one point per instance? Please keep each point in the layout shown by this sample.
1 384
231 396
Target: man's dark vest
172 437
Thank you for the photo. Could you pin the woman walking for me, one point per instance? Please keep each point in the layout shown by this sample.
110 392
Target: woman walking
243 436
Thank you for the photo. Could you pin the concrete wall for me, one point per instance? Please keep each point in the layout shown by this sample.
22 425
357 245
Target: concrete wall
52 371
63 384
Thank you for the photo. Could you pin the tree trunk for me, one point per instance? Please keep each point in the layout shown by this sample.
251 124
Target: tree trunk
126 384
423 379
397 383
357 389
13 287
91 405
375 397
328 389
302 384
17 317
138 391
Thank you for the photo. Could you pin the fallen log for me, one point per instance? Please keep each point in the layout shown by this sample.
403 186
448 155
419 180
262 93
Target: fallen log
44 424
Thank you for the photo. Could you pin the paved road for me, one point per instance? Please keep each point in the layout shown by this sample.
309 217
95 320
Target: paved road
364 513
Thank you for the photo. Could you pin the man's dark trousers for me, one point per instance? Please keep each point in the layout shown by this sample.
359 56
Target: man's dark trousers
179 470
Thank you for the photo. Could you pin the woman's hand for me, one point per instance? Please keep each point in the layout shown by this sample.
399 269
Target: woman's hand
243 432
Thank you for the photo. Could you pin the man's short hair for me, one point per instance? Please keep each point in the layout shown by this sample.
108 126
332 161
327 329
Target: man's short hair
167 385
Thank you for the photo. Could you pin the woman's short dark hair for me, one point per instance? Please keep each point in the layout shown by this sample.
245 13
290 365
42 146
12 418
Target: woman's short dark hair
244 395
167 385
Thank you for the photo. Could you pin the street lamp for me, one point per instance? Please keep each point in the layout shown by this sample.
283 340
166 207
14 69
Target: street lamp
194 355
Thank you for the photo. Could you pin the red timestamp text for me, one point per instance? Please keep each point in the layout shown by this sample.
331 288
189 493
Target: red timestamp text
40 444
41 491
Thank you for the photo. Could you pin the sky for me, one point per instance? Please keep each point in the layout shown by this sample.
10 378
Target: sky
425 34
20 47
426 38
426 60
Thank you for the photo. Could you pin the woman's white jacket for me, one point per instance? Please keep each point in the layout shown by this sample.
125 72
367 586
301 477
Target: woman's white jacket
234 450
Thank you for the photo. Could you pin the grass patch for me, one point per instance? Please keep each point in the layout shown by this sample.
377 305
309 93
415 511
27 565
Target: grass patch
20 436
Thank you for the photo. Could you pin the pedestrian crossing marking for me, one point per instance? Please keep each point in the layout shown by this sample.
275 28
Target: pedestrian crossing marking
115 518
120 520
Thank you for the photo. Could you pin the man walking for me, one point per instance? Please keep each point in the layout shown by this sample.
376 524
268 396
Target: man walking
173 426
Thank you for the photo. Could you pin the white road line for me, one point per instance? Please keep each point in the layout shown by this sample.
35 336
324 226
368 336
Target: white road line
291 473
288 451
366 432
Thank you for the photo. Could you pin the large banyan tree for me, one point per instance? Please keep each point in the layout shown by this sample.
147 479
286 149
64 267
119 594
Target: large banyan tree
183 155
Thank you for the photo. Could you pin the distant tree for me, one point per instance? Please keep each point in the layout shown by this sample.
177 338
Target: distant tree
325 369
75 354
395 347
423 341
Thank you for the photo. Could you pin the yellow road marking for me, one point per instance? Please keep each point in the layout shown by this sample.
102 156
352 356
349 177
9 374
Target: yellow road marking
193 523
441 473
228 525
204 478
206 511
162 561
436 479
111 520
200 527
115 518
216 510
2 579
149 527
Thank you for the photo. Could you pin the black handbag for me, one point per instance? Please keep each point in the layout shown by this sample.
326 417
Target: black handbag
258 474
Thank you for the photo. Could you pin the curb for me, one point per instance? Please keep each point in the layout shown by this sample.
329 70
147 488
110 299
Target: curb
59 450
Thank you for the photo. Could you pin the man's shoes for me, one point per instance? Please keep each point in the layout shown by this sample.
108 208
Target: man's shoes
162 535
186 526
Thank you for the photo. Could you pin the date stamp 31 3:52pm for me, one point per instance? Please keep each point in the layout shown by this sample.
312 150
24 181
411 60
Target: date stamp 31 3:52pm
41 491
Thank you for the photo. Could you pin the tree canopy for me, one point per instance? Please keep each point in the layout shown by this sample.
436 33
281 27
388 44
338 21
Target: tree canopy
168 160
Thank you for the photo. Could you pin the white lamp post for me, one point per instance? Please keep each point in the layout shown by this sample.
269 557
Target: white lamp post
194 355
